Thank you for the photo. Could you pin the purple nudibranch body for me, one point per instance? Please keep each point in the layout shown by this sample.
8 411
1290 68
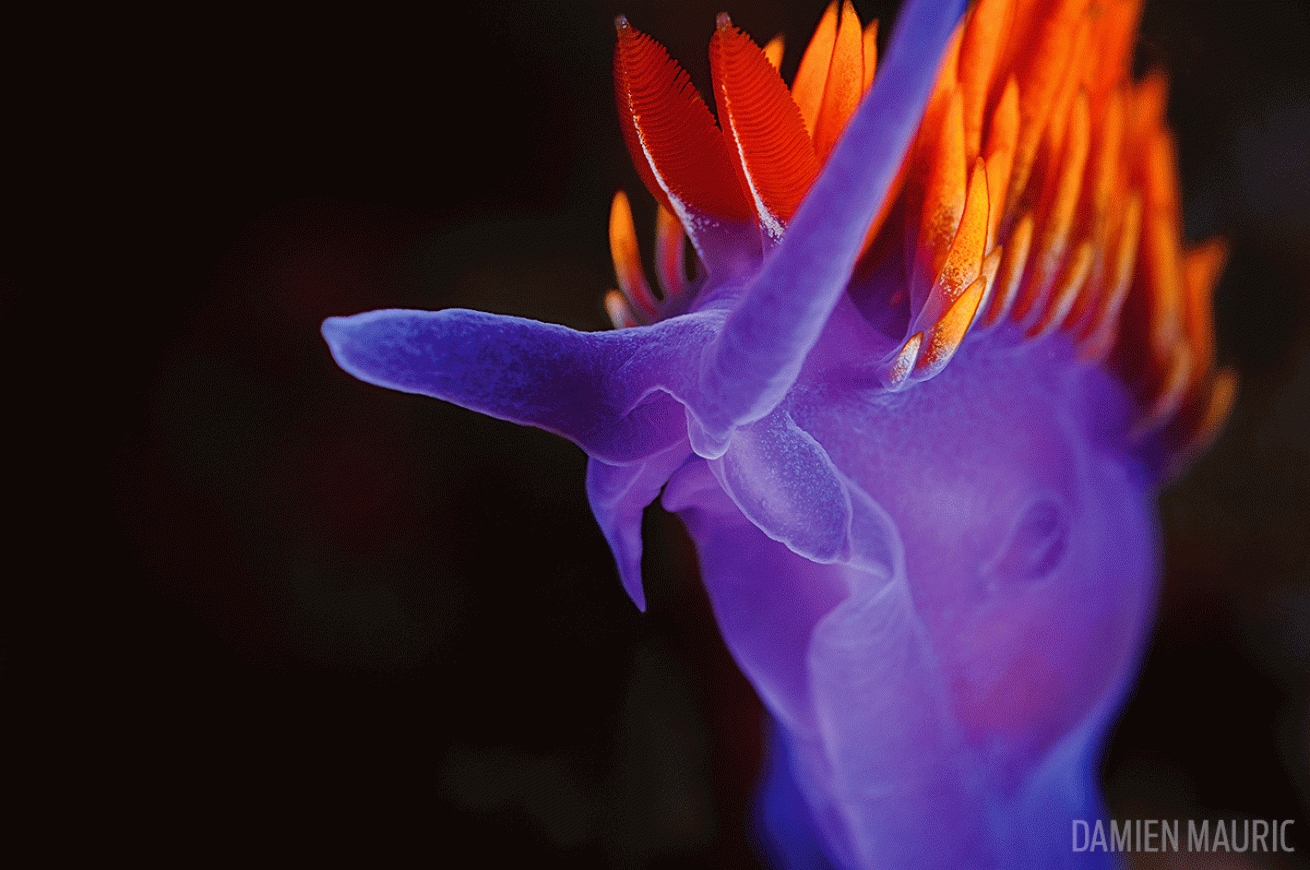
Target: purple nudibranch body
919 479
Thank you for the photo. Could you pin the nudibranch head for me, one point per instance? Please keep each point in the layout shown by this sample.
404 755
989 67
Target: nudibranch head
941 345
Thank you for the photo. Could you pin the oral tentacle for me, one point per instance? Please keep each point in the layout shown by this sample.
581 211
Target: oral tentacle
618 495
608 392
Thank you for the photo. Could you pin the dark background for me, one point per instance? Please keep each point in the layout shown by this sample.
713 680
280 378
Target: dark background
320 617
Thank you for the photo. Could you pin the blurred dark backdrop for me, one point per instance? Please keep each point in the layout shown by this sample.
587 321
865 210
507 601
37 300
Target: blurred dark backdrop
324 616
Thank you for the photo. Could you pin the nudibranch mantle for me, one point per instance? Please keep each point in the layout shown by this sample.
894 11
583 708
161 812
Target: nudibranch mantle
942 345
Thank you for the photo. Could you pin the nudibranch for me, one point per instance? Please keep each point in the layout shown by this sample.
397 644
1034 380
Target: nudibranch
941 346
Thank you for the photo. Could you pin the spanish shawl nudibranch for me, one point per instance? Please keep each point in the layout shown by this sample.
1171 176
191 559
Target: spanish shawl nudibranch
942 346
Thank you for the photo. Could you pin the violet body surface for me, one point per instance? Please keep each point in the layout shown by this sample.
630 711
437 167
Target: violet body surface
941 347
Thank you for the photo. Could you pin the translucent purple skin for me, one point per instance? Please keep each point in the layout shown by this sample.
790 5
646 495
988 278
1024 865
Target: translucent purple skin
939 593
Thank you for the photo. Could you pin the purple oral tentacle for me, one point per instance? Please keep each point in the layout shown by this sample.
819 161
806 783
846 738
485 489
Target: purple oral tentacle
618 494
608 392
